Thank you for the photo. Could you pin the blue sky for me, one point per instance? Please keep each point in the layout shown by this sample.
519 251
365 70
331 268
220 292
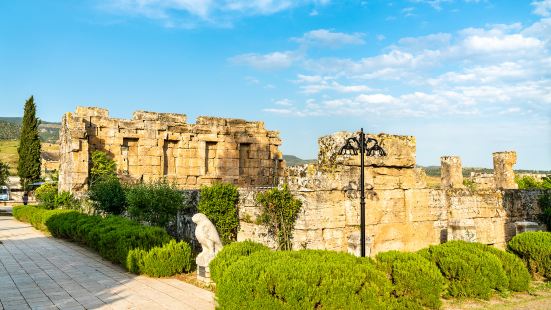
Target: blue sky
465 77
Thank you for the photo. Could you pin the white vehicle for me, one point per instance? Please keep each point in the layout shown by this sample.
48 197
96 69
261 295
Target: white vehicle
4 193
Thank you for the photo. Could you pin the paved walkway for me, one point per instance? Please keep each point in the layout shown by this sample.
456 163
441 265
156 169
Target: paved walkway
39 272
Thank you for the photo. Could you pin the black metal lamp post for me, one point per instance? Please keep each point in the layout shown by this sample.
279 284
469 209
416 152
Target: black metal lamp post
372 148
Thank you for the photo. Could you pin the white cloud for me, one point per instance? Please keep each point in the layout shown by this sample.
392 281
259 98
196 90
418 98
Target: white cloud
500 44
190 13
284 102
328 38
275 60
542 8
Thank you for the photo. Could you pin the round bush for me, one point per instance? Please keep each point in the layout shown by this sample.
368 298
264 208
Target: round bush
417 281
534 248
46 194
470 271
306 279
516 271
172 258
232 253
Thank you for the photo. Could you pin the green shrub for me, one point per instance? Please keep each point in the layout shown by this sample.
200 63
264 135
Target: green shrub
114 238
529 182
219 203
306 279
534 248
469 270
279 213
46 194
544 202
49 197
517 273
36 216
172 258
155 203
230 254
108 195
102 167
417 282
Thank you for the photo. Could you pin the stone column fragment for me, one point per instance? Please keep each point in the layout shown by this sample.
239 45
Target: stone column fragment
504 175
451 172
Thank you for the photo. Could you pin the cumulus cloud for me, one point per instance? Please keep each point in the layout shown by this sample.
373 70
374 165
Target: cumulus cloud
492 70
542 8
275 60
328 38
190 13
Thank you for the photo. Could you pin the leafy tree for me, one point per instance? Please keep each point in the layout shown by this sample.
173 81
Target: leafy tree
102 167
219 203
528 182
279 213
107 194
28 167
4 173
156 203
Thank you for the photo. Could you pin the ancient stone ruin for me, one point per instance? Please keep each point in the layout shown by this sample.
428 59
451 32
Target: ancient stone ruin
402 213
152 146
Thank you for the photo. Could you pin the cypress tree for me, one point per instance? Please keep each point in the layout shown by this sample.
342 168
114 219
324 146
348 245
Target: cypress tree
28 167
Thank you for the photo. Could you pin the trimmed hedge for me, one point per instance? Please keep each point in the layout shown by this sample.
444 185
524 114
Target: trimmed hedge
534 248
37 216
417 281
172 258
470 270
113 237
232 253
306 279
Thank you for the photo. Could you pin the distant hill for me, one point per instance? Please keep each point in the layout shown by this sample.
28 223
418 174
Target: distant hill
434 171
292 160
10 129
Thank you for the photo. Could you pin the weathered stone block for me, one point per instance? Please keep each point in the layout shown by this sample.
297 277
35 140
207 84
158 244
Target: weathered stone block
400 151
503 169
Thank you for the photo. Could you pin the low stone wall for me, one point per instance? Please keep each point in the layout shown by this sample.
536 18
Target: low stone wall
397 219
401 212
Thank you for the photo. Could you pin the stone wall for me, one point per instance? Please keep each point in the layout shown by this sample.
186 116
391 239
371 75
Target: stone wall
152 146
401 213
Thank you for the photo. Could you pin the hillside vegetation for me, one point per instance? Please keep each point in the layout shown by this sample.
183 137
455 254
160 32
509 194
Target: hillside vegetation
10 129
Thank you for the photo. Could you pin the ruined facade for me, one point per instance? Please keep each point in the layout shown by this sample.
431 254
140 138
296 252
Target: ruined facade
401 212
152 146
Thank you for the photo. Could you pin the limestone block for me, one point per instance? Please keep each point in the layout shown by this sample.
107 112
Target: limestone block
320 210
308 239
258 233
91 111
382 206
503 169
400 151
74 146
393 178
417 204
462 229
490 230
451 172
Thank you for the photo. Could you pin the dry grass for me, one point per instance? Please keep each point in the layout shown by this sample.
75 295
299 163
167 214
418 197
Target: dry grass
538 297
191 278
433 182
8 154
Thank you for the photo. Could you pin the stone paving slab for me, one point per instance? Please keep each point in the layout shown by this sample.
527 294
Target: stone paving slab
40 272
